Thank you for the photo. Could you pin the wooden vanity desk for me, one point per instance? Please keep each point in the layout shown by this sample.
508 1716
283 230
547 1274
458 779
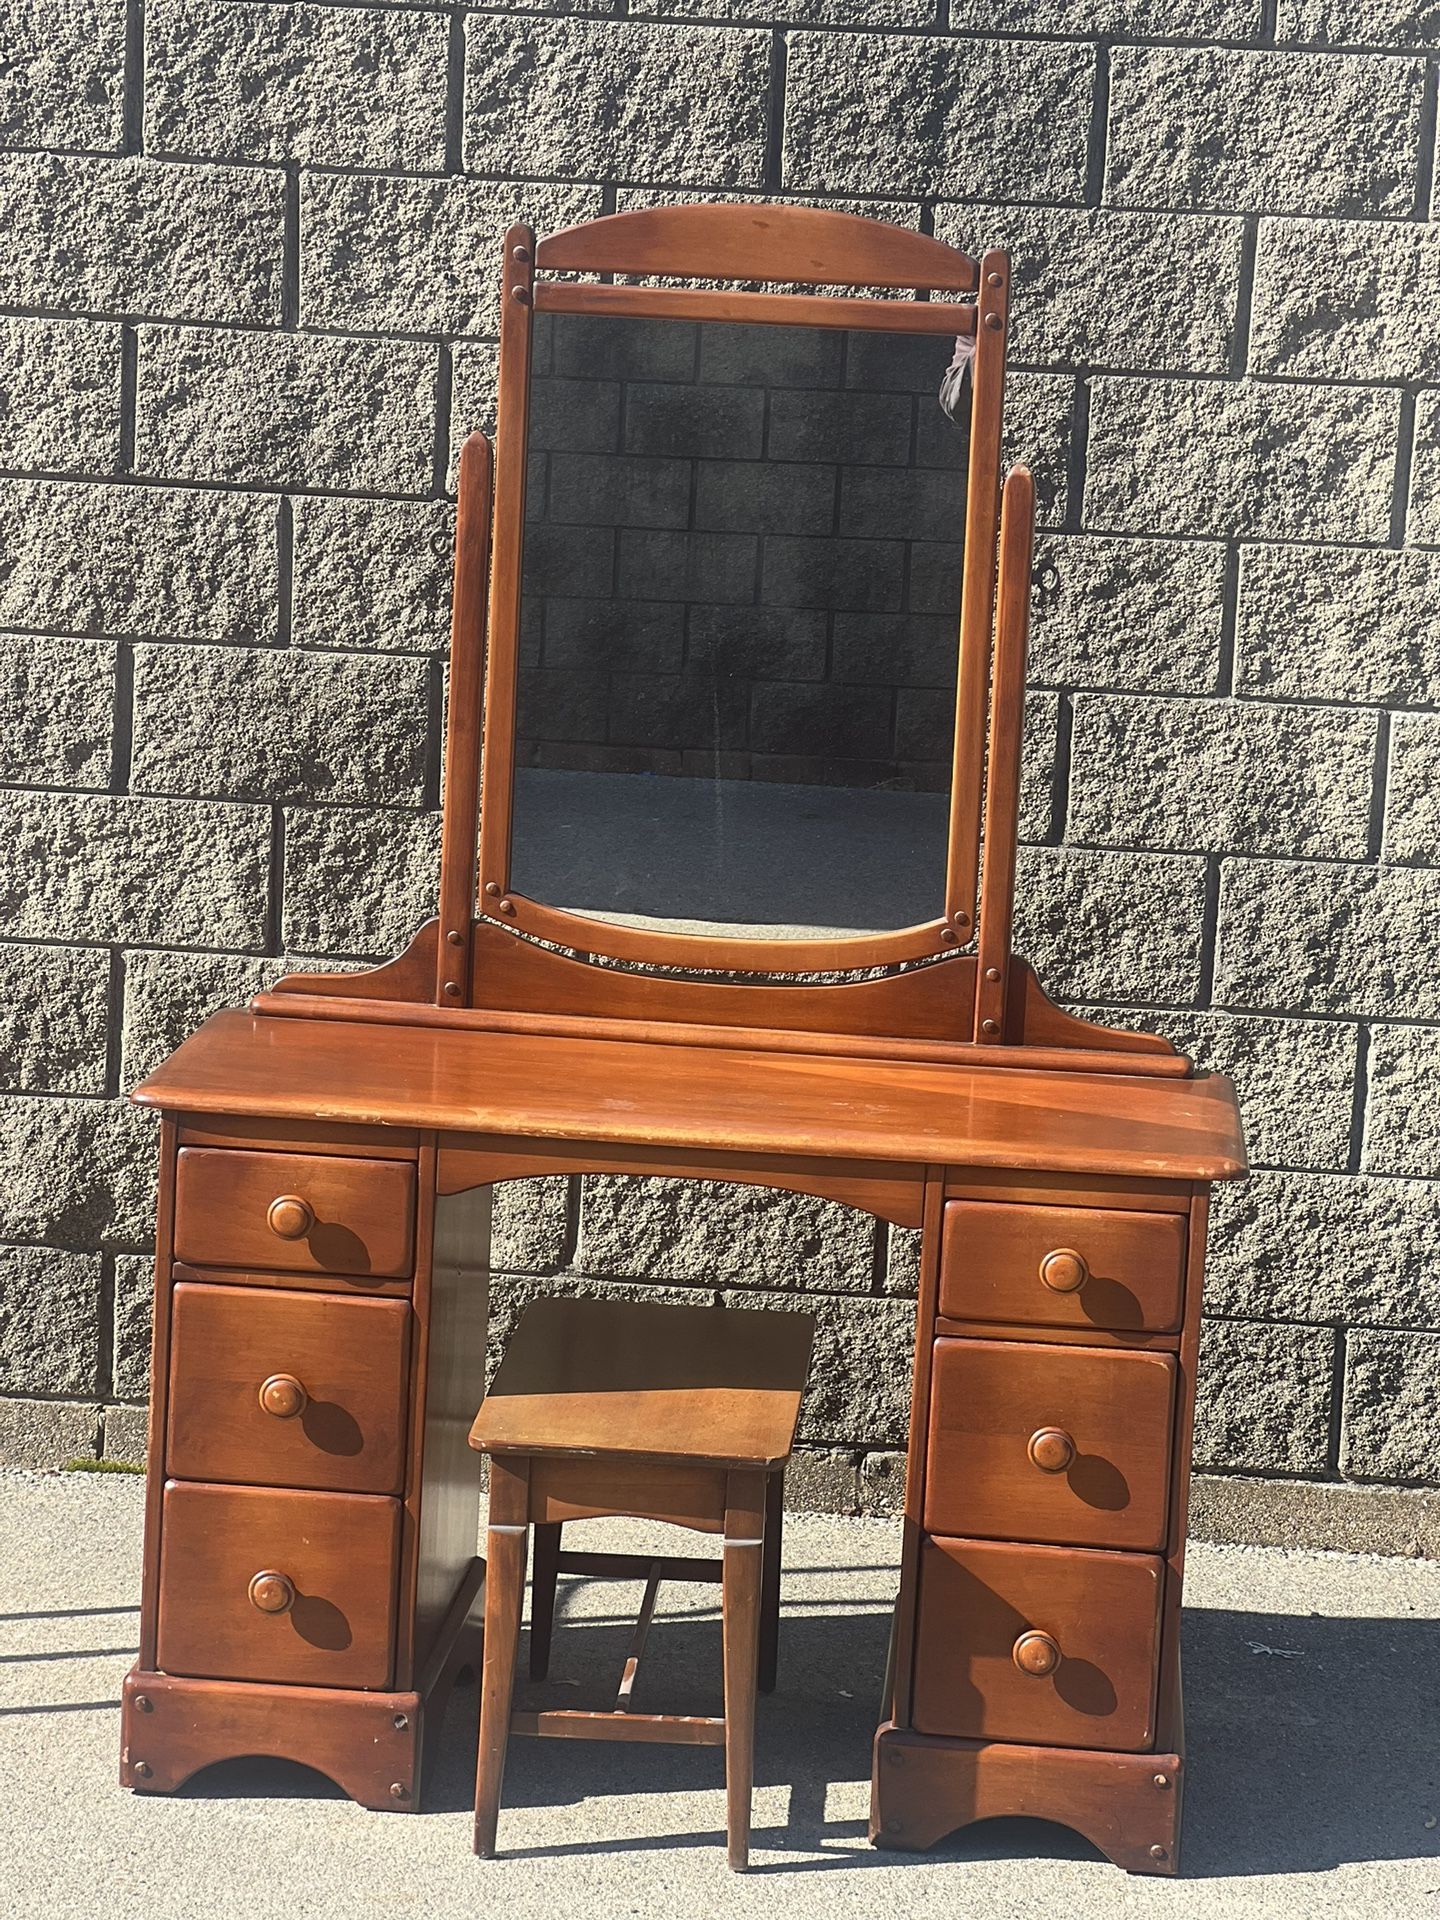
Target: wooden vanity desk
697 958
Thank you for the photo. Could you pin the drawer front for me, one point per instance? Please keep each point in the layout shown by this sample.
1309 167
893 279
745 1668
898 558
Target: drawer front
1042 1645
291 1389
1038 1442
298 1212
1062 1266
324 1615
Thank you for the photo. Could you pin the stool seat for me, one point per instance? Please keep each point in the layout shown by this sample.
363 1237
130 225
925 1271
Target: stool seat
720 1385
674 1413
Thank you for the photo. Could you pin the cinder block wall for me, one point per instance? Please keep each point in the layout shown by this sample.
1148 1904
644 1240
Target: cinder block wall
248 279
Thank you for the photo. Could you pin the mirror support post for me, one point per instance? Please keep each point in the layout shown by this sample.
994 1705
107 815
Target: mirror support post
461 797
1002 788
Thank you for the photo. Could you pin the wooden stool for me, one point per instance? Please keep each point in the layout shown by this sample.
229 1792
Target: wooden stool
681 1414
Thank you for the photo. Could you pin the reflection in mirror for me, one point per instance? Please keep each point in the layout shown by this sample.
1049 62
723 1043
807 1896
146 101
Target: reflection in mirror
739 610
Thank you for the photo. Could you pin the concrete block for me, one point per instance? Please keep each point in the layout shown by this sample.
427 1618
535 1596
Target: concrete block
803 13
1208 457
530 1229
619 490
1334 1247
1339 624
618 636
1391 1384
1038 748
757 643
383 254
285 409
1371 23
882 1484
893 650
134 1302
96 867
49 1321
64 77
1401 1135
1219 776
822 1480
358 881
1425 479
574 416
47 1433
706 423
137 561
859 1388
511 1294
658 565
140 236
54 1004
1328 1517
1039 421
1412 799
1347 300
59 698
59 395
646 103
753 496
870 429
1116 613
1295 1078
1090 287
1111 925
845 130
859 575
1124 19
1263 1398
902 1262
326 85
880 503
714 1233
373 574
1221 129
1328 939
847 723
604 347
475 371
125 1434
168 995
77 1173
248 723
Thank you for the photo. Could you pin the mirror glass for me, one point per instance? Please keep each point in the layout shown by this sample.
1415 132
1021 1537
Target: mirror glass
739 609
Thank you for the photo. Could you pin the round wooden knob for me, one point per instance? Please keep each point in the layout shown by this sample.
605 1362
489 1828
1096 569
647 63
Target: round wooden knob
1036 1653
272 1593
290 1216
1051 1449
1064 1270
283 1395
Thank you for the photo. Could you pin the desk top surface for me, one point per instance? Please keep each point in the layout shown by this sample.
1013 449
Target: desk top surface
548 1087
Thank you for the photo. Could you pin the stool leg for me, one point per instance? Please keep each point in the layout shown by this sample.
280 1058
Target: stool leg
740 1613
545 1573
504 1594
770 1580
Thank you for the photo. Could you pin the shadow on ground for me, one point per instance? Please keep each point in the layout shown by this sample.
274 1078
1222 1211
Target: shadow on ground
1311 1742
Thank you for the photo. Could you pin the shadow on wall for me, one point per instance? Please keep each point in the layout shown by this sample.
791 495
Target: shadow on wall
1311 1744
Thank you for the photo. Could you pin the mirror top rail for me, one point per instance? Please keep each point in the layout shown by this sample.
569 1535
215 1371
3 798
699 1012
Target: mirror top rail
776 309
737 241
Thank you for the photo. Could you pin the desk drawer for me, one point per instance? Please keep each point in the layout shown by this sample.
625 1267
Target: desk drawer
298 1212
290 1389
1040 1645
1036 1442
325 1616
1062 1266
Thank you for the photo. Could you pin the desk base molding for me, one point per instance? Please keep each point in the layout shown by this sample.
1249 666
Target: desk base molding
925 1788
376 1747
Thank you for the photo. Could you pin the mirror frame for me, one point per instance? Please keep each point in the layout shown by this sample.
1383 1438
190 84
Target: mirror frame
759 243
